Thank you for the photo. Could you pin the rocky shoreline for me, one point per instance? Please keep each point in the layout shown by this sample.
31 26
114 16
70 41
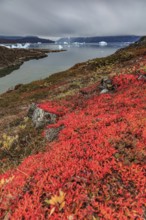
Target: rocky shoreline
11 59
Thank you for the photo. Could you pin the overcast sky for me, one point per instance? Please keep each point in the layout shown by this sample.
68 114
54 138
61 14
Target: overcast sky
58 18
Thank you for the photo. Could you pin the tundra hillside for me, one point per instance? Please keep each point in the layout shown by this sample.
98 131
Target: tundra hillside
73 145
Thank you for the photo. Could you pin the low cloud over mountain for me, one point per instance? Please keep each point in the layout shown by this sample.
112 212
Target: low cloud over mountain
58 18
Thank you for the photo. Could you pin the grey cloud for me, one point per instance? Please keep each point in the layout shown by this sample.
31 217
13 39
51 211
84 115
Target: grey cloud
55 18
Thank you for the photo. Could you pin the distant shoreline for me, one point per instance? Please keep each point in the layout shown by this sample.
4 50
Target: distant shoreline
12 59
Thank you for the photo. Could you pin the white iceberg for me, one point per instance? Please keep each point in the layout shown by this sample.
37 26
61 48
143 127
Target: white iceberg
102 43
65 43
3 45
18 46
21 46
60 47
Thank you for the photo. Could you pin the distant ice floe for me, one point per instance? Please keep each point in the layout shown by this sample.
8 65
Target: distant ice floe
102 43
3 45
19 46
60 47
78 44
65 43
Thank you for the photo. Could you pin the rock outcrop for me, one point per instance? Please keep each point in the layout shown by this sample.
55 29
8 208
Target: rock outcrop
39 117
106 85
52 133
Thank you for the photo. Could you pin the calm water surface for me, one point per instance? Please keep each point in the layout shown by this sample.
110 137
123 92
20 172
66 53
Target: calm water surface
55 62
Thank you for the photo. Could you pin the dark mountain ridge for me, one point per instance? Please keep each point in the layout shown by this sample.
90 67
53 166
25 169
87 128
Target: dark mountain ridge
96 39
26 39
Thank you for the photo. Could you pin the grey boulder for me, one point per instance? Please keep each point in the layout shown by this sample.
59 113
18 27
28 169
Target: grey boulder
52 133
39 117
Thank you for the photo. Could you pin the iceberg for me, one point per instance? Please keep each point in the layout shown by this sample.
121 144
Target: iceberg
65 43
60 47
3 45
19 46
102 43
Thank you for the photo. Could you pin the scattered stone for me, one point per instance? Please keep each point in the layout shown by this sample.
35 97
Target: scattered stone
104 91
143 76
31 110
106 85
52 133
39 117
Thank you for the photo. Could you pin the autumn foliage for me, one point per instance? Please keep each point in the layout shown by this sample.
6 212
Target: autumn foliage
95 169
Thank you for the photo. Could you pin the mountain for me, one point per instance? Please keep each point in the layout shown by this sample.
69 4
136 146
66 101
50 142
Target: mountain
108 39
26 39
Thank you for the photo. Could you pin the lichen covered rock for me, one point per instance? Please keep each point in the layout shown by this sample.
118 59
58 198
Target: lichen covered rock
39 117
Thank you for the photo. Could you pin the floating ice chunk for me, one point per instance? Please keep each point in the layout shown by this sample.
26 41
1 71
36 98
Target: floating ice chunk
27 45
76 43
19 46
102 43
60 47
3 45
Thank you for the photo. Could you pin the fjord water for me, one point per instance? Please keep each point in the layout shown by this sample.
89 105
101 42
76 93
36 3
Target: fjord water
55 62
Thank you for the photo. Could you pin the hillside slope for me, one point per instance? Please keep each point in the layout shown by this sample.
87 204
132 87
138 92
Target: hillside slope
91 164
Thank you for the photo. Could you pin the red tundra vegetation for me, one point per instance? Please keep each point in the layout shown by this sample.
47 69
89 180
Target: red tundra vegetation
95 170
